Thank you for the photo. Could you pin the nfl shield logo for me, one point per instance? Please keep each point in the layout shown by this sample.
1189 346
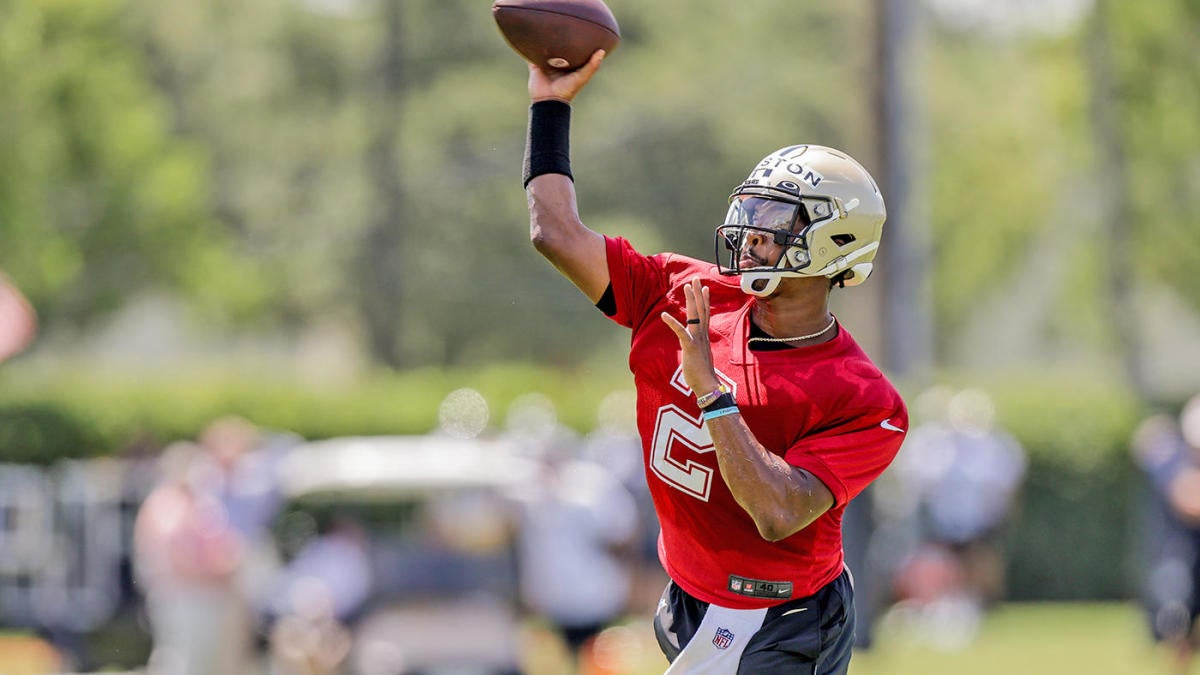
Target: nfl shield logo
723 638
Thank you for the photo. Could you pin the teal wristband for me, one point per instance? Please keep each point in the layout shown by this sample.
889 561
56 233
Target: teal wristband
719 412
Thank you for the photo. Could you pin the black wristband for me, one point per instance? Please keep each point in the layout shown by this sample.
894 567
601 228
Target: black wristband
548 145
725 400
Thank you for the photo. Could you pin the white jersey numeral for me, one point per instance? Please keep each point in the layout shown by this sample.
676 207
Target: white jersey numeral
676 436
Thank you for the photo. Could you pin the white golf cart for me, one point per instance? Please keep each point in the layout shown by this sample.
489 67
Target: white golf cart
435 535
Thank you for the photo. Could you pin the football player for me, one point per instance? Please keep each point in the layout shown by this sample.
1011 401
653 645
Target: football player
760 417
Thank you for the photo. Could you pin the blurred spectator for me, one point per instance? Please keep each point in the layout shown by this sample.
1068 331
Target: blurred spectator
615 445
18 321
239 469
186 555
316 599
203 547
963 473
576 531
1169 454
889 519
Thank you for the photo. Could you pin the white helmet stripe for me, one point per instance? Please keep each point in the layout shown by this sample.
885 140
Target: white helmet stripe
845 262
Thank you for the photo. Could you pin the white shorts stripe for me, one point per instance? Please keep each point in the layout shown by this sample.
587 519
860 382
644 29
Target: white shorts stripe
717 646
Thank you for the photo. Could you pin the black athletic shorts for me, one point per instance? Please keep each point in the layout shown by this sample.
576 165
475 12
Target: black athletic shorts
812 635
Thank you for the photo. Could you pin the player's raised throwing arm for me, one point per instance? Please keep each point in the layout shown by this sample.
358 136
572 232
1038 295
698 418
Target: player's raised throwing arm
555 228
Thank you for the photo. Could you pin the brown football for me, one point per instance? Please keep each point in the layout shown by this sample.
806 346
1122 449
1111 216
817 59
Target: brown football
559 34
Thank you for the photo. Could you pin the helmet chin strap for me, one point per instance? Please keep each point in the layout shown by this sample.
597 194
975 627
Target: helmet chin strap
760 284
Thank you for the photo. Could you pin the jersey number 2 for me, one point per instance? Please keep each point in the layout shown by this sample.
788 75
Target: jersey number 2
676 436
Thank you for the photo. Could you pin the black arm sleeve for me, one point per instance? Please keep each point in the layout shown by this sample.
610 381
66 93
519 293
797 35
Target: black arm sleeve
548 145
607 302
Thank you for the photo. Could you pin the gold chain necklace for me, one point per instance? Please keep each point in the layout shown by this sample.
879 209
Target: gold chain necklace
819 333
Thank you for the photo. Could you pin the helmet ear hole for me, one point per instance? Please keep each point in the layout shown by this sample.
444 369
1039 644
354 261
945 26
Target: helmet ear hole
842 239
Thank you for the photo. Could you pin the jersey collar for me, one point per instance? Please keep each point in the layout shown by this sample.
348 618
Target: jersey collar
741 354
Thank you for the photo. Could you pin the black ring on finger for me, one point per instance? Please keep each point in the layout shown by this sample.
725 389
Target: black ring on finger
690 321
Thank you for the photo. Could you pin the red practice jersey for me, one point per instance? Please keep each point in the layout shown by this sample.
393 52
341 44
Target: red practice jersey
825 409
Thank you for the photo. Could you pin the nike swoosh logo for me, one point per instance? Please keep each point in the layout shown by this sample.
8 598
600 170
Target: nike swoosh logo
887 424
794 611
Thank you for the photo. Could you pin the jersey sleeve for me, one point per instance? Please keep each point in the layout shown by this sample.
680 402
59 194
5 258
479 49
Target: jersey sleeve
638 282
847 456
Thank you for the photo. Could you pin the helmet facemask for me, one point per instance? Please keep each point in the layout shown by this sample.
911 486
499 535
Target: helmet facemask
784 219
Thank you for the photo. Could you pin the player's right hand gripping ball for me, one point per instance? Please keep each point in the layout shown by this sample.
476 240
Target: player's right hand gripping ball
557 34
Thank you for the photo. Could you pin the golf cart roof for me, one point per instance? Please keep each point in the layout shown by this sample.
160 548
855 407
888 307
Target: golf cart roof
388 467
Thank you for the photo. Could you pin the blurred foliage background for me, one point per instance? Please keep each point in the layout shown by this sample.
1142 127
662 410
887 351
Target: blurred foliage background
350 168
310 212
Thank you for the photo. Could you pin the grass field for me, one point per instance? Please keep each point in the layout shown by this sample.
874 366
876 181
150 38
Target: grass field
1035 639
1016 639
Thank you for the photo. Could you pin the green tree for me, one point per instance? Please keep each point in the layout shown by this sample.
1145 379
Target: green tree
1156 73
288 163
98 196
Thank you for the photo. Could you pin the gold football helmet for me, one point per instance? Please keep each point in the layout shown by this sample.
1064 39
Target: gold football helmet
817 203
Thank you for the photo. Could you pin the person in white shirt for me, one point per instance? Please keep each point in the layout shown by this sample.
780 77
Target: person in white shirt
577 525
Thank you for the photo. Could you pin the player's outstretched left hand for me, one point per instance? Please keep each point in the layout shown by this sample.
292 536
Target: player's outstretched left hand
698 371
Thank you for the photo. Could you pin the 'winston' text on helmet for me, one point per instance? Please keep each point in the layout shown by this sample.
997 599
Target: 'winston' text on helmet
816 202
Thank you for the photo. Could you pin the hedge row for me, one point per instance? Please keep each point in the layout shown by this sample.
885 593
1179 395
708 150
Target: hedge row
43 419
1072 538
